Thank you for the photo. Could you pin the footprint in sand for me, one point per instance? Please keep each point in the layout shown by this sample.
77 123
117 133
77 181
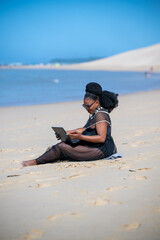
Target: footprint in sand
140 177
57 216
138 143
101 202
144 169
104 201
34 234
116 188
130 227
76 165
124 167
137 134
73 165
45 185
33 173
7 150
54 217
11 169
26 150
73 176
46 179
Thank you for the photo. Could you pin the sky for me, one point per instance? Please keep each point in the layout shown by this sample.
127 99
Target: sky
34 31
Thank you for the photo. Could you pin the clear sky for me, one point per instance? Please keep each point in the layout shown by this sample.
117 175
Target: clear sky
33 31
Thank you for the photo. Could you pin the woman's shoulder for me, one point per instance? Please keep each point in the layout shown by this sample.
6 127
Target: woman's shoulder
100 114
101 110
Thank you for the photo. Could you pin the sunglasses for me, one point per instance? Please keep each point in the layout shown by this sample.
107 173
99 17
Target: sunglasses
88 106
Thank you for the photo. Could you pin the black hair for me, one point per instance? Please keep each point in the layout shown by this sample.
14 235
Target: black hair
91 95
107 100
94 88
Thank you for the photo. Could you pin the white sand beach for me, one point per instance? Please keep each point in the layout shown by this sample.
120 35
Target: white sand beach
98 200
143 59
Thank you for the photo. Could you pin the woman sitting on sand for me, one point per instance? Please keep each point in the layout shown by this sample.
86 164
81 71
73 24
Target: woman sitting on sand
95 141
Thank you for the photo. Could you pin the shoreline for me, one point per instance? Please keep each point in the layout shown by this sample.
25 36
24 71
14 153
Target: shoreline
76 101
76 67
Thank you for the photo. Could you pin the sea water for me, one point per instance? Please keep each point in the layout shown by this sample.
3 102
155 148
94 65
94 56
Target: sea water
38 86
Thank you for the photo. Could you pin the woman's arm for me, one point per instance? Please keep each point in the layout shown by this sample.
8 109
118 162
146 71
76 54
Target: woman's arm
99 138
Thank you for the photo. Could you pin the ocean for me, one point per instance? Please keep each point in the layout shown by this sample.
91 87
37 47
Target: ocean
19 87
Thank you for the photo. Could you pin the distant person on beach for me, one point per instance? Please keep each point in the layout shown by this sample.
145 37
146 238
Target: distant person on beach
151 69
94 140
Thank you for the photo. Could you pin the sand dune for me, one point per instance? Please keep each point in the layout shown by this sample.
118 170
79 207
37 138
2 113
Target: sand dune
142 59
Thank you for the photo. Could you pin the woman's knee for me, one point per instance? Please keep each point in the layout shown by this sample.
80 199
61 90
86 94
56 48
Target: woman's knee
60 149
60 146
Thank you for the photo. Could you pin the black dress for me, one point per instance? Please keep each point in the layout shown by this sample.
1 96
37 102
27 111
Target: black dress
83 150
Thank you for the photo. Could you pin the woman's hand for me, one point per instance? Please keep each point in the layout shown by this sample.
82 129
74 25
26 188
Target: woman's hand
75 135
57 136
80 130
70 131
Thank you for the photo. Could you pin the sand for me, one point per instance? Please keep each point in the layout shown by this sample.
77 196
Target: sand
97 200
143 59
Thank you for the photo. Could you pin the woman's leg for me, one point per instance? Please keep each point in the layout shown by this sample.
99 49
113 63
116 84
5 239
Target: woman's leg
80 153
63 151
51 155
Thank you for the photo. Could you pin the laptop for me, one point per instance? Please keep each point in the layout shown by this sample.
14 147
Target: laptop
63 135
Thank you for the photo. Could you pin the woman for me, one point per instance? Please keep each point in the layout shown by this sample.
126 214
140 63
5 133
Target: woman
95 141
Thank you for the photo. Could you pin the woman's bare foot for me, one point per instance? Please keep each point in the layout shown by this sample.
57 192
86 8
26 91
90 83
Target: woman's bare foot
29 163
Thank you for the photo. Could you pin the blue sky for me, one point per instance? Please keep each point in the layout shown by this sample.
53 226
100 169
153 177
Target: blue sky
33 31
